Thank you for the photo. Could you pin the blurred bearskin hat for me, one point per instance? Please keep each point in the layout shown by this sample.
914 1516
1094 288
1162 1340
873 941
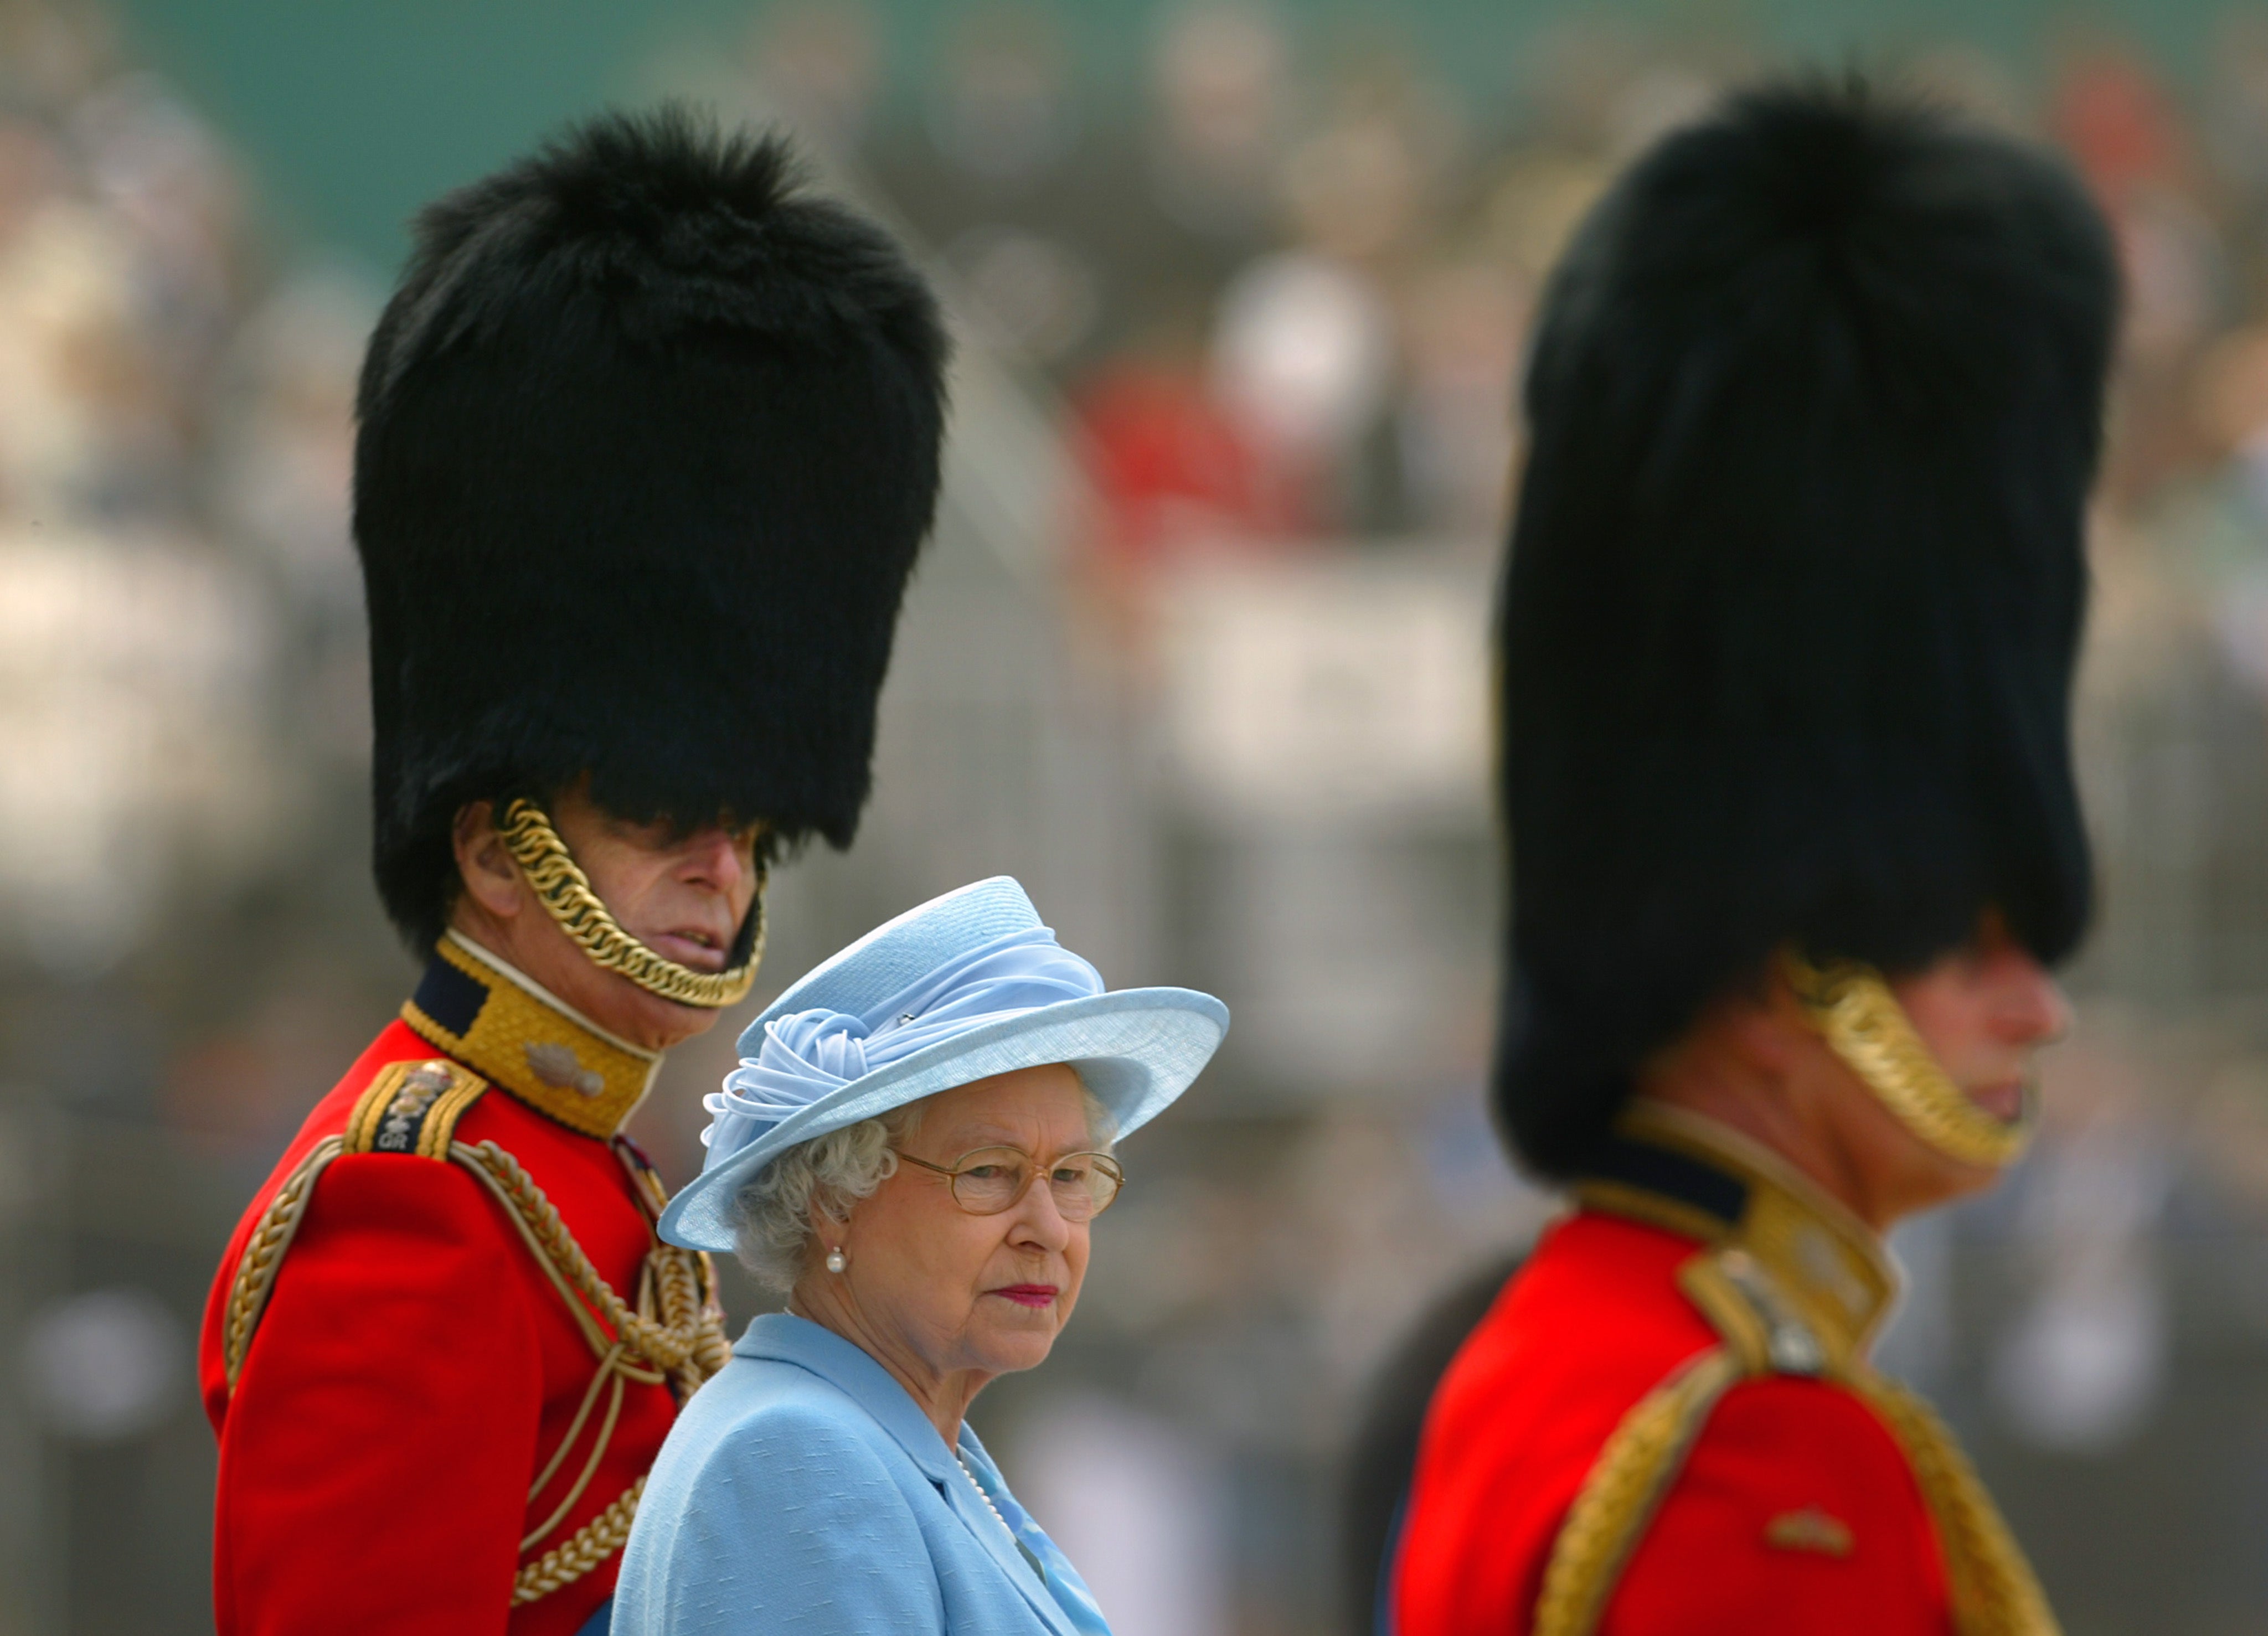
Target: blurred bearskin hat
649 441
1797 582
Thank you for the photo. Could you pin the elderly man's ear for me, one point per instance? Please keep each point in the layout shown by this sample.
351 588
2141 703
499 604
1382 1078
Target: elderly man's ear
1757 1035
1770 1029
483 863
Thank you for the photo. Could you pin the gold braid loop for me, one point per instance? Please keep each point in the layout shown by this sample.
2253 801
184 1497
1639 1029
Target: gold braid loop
1864 1024
263 1255
680 1288
566 893
1995 1592
690 1330
591 1544
677 1327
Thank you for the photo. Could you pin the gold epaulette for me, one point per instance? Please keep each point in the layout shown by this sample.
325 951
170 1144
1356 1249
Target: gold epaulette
413 1108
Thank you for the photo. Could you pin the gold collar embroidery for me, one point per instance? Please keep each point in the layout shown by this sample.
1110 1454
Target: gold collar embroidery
1745 1198
515 1033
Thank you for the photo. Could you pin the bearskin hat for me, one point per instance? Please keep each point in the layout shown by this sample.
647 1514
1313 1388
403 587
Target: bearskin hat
1796 582
649 441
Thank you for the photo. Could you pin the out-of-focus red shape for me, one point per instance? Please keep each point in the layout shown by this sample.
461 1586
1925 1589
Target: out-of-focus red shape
2117 122
1170 469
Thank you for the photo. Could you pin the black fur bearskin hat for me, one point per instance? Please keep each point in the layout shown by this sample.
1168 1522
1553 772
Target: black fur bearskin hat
648 442
1796 582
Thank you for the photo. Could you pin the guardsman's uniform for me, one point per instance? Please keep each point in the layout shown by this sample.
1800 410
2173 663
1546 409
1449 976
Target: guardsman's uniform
1792 608
1670 1411
649 443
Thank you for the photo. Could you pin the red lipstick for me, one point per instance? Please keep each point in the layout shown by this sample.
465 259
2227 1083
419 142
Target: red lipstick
1029 1294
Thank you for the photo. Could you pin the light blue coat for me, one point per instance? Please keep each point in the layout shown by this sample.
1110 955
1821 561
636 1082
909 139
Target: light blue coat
802 1491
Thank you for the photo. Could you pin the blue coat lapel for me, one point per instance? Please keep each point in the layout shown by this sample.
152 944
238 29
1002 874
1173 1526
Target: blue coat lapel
1075 1605
786 1338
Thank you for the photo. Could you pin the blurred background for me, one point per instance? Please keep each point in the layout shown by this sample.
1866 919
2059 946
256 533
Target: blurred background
1199 654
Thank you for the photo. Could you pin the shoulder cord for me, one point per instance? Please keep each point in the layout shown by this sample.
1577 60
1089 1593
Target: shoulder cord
263 1254
685 1345
1995 1592
677 1328
1624 1486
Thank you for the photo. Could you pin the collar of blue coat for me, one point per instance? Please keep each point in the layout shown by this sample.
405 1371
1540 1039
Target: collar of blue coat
1045 1577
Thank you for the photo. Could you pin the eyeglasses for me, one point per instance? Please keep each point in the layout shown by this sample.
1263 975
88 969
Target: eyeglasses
992 1179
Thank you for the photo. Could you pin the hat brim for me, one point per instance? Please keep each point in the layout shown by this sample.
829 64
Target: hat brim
1136 1050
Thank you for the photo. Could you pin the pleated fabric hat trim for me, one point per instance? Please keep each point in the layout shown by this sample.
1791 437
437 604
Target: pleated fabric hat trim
896 954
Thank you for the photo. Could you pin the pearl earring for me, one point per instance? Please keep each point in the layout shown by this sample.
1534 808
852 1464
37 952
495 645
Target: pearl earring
837 1260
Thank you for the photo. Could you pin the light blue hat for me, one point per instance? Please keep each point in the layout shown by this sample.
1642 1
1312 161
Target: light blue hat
968 985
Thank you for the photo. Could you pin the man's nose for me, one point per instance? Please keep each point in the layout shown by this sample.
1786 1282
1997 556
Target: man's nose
2031 1006
718 858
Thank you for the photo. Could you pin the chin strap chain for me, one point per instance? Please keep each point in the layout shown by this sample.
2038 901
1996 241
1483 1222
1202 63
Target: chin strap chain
1854 1008
567 896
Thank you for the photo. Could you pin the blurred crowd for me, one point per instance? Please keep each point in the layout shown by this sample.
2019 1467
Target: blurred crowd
182 716
1283 277
1270 283
176 433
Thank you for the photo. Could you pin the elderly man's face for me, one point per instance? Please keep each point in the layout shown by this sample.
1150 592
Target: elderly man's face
962 1291
683 894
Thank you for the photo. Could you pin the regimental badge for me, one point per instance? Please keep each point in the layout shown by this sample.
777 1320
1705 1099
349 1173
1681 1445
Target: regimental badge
557 1065
1811 1529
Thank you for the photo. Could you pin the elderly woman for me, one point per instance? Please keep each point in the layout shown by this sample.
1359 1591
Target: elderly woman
913 1151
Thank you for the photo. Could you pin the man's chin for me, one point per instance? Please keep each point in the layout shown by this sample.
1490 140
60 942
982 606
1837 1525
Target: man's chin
648 1020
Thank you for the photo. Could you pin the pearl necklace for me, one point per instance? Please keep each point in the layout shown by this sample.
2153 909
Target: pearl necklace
1022 1550
981 1495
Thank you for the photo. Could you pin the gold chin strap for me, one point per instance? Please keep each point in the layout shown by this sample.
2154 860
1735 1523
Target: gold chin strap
565 891
1854 1009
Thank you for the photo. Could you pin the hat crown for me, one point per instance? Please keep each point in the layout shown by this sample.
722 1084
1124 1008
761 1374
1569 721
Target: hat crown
899 953
679 414
1797 578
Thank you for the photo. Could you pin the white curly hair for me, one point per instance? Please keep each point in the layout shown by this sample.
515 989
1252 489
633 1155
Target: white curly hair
773 1235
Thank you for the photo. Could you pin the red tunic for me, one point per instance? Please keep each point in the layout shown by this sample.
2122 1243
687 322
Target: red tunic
1795 1508
414 1366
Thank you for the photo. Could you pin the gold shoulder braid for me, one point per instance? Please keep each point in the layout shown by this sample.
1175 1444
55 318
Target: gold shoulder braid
1994 1590
1790 1283
565 892
1852 1006
263 1257
1619 1496
675 1334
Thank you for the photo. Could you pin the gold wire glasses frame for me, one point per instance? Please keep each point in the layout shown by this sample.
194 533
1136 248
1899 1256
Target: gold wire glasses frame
989 1180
